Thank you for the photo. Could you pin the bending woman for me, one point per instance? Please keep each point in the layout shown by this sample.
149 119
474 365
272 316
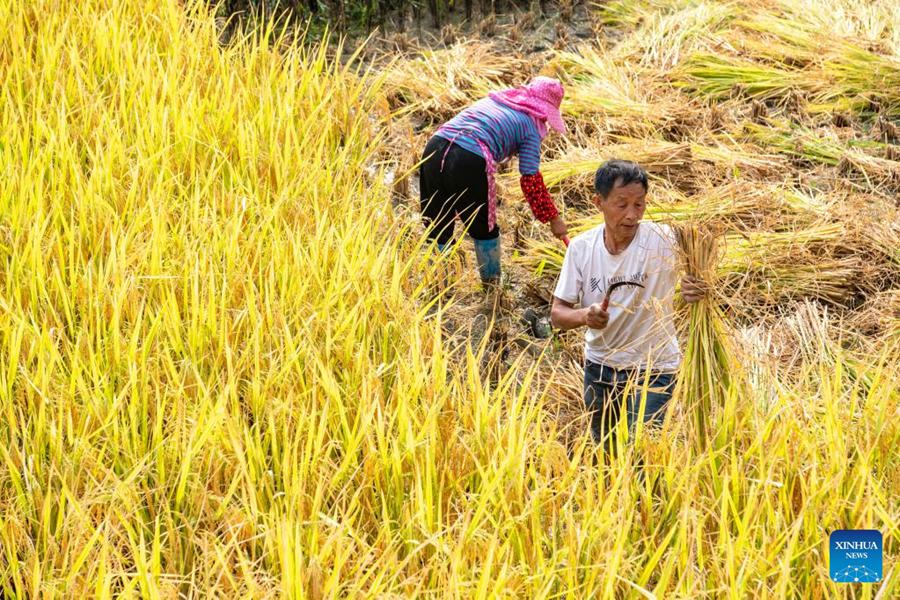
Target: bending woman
457 175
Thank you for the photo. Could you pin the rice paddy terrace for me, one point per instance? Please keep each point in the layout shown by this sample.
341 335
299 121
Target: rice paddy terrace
222 374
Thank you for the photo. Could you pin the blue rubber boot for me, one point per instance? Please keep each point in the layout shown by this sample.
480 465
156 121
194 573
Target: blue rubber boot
487 253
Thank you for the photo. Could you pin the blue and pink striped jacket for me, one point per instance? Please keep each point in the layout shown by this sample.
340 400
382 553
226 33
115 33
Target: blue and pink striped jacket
504 130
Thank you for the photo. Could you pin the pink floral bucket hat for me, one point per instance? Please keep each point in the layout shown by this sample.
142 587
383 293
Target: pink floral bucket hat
540 98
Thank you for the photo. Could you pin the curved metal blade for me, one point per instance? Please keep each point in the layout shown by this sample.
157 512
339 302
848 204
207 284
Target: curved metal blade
619 284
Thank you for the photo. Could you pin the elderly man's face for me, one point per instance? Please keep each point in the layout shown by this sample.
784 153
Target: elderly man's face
623 208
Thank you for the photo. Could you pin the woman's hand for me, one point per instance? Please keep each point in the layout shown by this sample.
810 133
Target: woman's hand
693 289
558 227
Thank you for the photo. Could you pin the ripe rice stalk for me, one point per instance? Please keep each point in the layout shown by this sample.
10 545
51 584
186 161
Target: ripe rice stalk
733 157
627 99
879 317
574 165
857 78
629 14
707 369
663 38
597 83
722 77
823 146
873 231
437 84
782 41
752 285
858 72
674 161
870 21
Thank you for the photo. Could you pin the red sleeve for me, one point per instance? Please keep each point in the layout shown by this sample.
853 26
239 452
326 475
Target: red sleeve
538 197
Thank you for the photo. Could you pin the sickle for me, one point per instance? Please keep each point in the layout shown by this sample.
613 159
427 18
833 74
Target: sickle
617 284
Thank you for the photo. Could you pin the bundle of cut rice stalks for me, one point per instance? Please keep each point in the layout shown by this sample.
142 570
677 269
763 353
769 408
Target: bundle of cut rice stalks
802 206
571 173
781 41
771 267
735 204
870 79
785 56
872 231
664 37
727 156
799 143
752 285
676 162
824 147
871 21
861 77
708 373
879 317
657 157
439 83
721 77
883 235
825 345
626 100
746 205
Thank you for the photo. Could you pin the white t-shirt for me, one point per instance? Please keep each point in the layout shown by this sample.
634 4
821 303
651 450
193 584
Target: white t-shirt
641 328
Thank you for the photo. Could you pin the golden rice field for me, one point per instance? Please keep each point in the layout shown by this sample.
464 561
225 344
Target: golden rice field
220 374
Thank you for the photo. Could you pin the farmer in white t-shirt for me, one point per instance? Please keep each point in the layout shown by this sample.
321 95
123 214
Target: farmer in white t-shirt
630 333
